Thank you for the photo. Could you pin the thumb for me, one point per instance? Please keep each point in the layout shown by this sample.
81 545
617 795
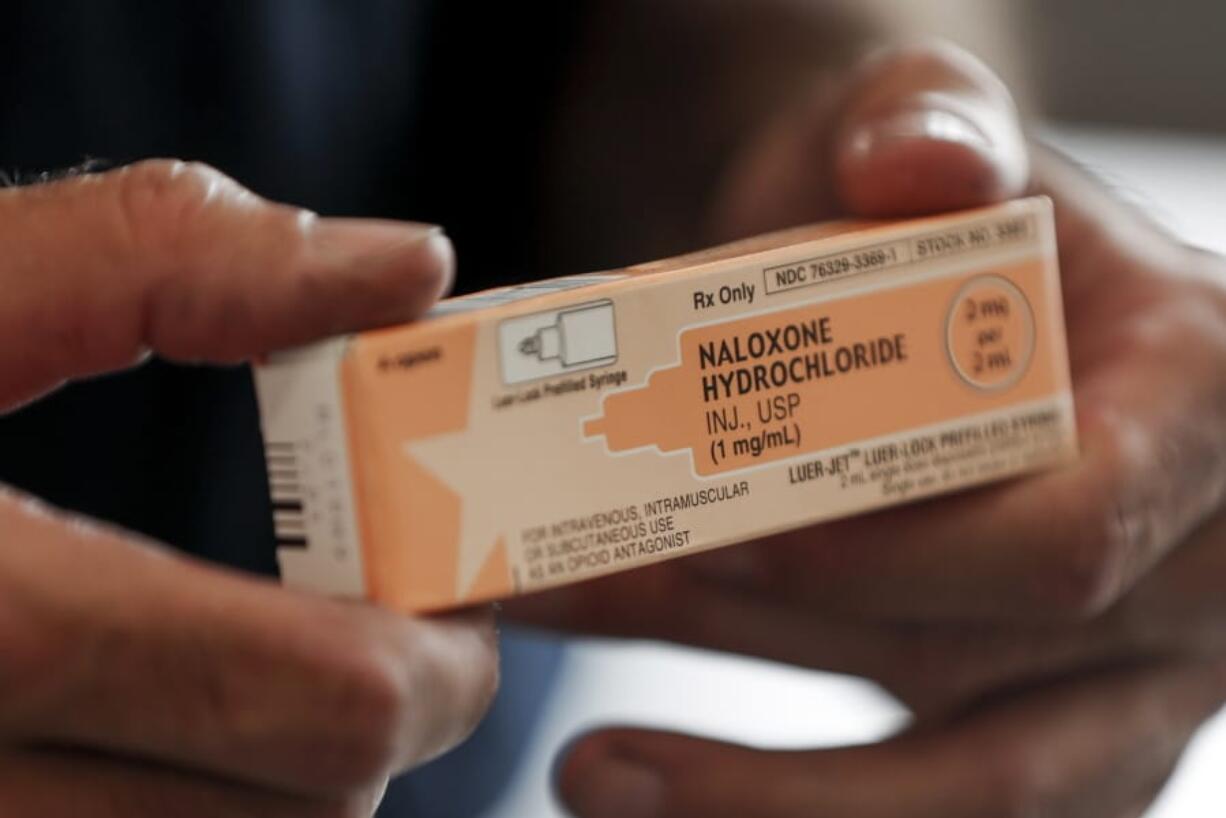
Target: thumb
907 131
925 129
180 260
1095 747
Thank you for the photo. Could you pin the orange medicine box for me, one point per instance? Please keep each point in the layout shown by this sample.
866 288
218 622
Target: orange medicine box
531 436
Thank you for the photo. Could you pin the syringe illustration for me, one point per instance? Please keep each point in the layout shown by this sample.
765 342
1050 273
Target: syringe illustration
584 336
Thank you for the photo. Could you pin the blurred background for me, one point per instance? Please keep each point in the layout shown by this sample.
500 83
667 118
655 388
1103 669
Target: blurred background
1133 64
1110 62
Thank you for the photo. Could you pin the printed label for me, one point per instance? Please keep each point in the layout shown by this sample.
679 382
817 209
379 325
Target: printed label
784 383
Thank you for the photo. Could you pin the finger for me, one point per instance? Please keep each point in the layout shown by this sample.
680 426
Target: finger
1181 605
118 646
935 668
925 129
1085 749
64 784
908 131
178 259
1051 546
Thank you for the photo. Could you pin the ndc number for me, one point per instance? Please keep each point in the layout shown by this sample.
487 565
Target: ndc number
852 262
869 259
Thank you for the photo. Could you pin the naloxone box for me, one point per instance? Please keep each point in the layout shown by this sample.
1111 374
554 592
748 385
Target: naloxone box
536 435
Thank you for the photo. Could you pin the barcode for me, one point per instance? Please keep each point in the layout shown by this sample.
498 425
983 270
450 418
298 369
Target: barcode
285 485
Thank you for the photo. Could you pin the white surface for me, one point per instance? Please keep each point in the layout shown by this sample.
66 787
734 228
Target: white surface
770 705
1180 179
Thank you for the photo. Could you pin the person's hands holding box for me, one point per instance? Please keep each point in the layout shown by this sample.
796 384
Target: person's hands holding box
1059 637
136 683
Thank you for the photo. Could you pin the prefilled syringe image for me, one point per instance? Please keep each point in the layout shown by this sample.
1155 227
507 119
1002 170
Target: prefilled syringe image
545 344
581 336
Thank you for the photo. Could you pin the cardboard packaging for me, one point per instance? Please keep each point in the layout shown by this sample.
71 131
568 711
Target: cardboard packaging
531 436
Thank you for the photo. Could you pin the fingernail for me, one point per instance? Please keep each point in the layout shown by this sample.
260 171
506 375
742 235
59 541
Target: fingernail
934 124
397 269
365 237
616 788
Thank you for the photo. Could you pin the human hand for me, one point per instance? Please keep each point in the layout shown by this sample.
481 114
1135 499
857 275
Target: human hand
137 683
1058 637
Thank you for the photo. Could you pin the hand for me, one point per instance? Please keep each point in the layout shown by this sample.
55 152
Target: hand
137 683
1058 637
